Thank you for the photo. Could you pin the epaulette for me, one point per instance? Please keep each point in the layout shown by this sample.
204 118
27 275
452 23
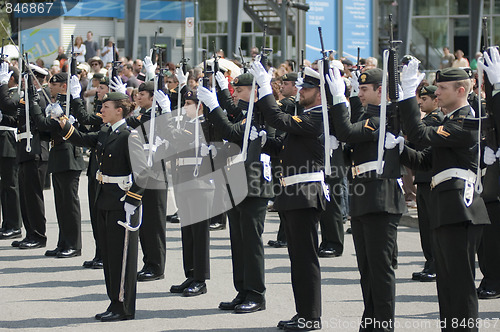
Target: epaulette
279 103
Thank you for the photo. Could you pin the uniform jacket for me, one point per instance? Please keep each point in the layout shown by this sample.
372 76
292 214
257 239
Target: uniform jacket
9 100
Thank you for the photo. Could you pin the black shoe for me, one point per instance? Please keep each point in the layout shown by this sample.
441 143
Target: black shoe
485 294
98 264
99 316
180 288
10 234
16 244
282 323
427 277
53 253
349 231
249 307
31 245
328 252
196 288
88 264
217 226
69 253
277 244
112 317
302 324
174 219
416 275
146 275
231 305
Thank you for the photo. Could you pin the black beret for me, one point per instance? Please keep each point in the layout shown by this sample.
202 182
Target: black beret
191 95
372 76
290 77
429 90
147 86
113 96
59 78
245 79
347 62
451 74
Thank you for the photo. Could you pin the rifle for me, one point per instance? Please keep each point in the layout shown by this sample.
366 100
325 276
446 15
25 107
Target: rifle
301 75
326 99
264 51
243 63
115 69
2 56
216 67
393 81
183 67
71 71
29 96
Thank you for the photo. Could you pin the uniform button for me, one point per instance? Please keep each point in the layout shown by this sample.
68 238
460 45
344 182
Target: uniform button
109 155
281 161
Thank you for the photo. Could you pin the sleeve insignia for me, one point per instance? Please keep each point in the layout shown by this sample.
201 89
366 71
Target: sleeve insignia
442 132
297 119
368 126
243 121
139 116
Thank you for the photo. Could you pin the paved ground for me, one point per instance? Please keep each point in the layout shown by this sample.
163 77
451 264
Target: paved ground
42 293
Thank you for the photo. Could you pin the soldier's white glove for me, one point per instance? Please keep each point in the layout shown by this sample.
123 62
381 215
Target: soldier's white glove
129 211
4 73
489 156
1 116
117 84
334 142
222 80
207 97
129 208
354 83
492 67
410 79
498 153
54 110
163 100
181 77
298 83
149 67
263 135
205 150
337 85
253 133
261 77
71 119
160 141
75 87
391 141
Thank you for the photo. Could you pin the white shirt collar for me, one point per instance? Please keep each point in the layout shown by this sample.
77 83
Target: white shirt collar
117 124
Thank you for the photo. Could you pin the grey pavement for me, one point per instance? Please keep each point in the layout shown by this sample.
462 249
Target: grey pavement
42 293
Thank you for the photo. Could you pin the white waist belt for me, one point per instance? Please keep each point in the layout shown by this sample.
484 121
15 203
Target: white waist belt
365 167
189 161
23 136
450 173
8 128
235 160
301 178
102 178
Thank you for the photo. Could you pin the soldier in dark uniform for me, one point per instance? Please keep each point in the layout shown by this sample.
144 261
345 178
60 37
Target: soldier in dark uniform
433 117
65 164
32 169
119 193
377 202
9 169
458 211
246 220
303 191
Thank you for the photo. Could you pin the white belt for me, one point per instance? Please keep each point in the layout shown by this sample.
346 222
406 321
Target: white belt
365 167
23 136
189 161
8 128
102 178
235 160
301 178
450 173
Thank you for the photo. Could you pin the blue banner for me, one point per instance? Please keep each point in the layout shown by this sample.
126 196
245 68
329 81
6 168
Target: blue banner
357 27
321 14
40 42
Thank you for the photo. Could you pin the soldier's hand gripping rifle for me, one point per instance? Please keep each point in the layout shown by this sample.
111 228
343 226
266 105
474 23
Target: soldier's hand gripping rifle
326 99
115 67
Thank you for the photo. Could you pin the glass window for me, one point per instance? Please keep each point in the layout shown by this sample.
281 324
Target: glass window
459 7
429 36
222 27
486 9
496 7
208 27
430 7
496 30
207 10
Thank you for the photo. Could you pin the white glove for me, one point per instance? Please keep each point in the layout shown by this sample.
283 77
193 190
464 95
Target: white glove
117 85
207 97
253 133
261 77
163 100
222 80
492 67
205 150
71 119
354 83
337 85
75 87
489 156
54 110
129 208
391 141
1 116
334 142
263 135
4 73
181 77
149 67
498 153
410 79
160 141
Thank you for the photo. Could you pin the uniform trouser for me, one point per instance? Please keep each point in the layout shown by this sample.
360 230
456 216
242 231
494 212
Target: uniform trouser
374 236
9 193
195 250
152 233
331 220
488 253
302 233
31 183
92 191
112 238
246 225
455 247
424 213
68 212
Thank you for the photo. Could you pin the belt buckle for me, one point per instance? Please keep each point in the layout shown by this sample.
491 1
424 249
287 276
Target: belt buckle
99 178
354 171
282 182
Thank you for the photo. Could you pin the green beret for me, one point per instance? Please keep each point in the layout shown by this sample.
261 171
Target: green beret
191 95
104 80
290 77
372 76
245 79
114 96
451 74
428 90
98 76
147 86
59 78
